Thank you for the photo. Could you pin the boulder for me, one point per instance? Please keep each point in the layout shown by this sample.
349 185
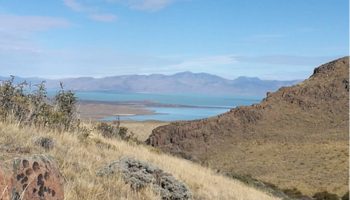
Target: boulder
141 174
31 178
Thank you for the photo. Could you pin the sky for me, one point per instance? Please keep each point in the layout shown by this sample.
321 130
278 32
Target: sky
269 39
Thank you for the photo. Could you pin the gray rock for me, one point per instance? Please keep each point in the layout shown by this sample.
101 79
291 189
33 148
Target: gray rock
141 174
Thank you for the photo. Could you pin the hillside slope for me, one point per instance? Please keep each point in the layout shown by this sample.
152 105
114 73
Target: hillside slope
80 157
296 137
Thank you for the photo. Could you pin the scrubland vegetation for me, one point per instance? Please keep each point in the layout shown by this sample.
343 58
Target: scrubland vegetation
81 149
29 105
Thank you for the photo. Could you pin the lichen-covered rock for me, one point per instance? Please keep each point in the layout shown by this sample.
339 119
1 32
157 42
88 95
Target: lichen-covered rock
141 174
31 178
44 142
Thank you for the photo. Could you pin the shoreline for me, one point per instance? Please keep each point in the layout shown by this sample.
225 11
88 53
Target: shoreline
94 111
149 104
98 110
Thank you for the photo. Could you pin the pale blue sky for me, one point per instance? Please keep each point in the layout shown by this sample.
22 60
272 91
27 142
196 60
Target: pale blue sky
270 39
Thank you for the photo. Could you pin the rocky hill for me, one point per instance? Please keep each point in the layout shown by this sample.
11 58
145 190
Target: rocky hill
296 137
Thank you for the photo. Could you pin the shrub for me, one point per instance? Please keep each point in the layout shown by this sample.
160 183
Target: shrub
122 132
19 103
346 196
45 142
271 188
295 194
65 102
268 187
39 109
106 130
112 131
13 101
325 196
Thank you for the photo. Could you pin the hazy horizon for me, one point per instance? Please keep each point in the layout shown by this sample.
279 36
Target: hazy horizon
165 74
269 39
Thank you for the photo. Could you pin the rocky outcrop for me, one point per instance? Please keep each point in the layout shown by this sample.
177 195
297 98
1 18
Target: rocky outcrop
31 178
141 174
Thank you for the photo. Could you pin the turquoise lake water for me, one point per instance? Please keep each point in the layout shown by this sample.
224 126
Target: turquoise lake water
174 114
203 105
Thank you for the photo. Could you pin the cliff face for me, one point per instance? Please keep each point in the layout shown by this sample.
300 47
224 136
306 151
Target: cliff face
315 110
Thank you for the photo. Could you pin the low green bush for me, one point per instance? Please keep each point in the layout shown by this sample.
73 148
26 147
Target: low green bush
20 103
112 131
325 196
295 194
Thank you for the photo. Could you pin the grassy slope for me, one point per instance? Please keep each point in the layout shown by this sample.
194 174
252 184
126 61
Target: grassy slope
79 159
142 130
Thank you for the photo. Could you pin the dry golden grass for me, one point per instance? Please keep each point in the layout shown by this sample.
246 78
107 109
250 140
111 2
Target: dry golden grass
312 165
80 158
142 130
308 166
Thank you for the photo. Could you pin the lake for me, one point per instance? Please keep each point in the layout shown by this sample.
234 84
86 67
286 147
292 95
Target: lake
172 107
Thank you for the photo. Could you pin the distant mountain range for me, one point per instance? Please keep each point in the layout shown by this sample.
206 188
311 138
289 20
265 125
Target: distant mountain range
184 82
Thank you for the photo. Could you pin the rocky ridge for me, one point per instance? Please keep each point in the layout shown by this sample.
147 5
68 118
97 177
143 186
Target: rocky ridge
311 113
